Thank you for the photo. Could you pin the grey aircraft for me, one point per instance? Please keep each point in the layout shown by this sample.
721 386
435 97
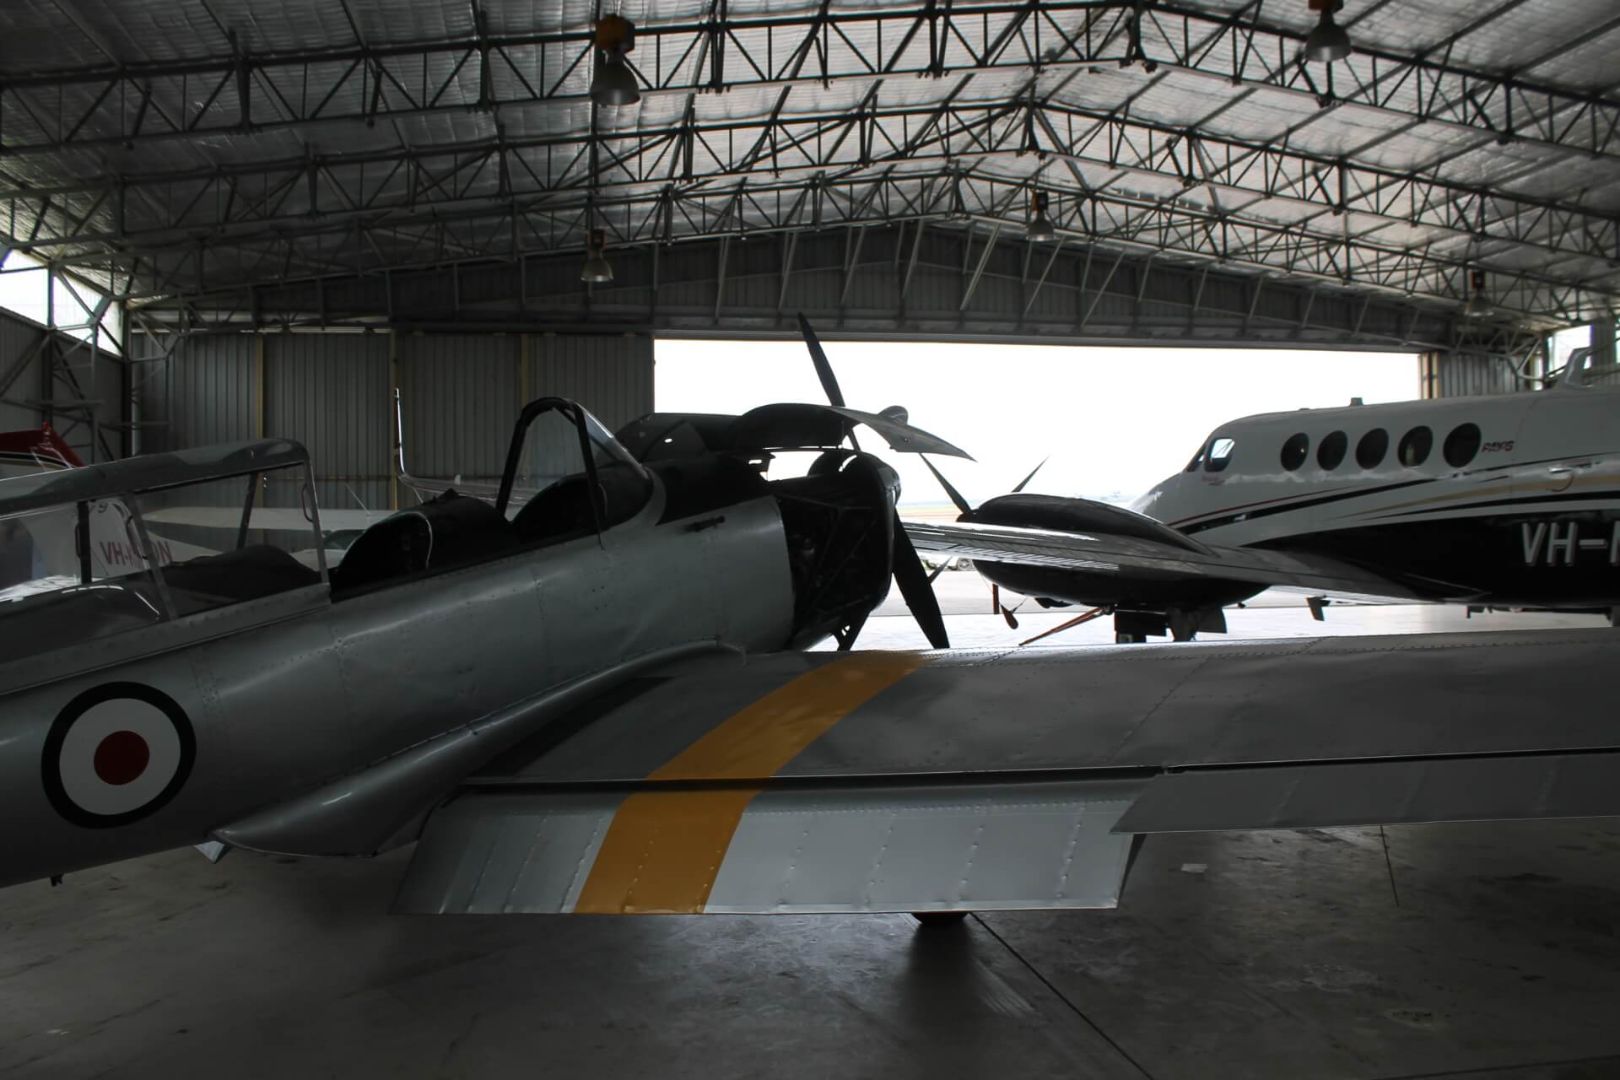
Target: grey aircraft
599 698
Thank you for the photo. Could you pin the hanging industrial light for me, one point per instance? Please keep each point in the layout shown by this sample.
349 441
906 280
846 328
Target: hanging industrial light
612 81
597 270
1328 41
1040 229
1478 305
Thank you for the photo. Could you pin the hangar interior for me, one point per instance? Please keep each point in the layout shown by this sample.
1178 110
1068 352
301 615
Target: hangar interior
240 220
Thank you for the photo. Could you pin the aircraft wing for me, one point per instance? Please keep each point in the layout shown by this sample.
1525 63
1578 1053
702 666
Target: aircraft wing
289 519
1100 552
967 780
428 487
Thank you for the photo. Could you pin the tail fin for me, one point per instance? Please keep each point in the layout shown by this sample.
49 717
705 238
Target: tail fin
34 450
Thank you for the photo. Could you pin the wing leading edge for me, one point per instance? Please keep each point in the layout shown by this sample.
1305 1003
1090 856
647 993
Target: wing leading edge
977 780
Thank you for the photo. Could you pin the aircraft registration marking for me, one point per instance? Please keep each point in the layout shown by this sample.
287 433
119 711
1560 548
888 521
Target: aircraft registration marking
663 850
1556 543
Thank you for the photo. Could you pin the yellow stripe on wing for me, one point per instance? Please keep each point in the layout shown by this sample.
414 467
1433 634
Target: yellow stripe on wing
664 849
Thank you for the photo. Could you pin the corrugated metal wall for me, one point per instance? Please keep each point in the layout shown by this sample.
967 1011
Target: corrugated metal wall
99 379
612 375
19 339
331 392
459 394
205 392
1465 374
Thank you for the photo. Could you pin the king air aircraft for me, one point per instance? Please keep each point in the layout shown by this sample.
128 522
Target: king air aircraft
596 698
1508 501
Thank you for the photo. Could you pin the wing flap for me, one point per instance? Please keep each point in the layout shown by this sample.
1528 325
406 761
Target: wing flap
1379 793
935 846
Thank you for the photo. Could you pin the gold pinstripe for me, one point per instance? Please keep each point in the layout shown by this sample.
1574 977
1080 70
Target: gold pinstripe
663 850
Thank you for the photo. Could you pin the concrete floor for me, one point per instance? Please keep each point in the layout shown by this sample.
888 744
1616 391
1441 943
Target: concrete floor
1479 951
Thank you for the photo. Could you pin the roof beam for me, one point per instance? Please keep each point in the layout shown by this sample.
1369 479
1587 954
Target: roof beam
557 220
97 106
226 200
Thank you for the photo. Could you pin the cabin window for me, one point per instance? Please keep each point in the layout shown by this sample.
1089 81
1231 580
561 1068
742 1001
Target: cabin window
1331 450
1371 449
1415 447
1295 451
1220 454
1461 445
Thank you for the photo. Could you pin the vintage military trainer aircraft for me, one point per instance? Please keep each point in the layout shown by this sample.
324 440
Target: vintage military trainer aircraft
1503 501
595 699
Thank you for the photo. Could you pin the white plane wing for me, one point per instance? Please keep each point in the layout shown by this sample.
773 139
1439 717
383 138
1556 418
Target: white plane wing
1160 562
288 519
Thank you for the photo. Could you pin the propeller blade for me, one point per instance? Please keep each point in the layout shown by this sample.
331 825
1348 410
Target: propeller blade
824 371
956 496
1022 483
1012 620
914 588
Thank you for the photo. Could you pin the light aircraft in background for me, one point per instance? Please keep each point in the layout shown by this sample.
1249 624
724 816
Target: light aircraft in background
44 549
599 700
1509 501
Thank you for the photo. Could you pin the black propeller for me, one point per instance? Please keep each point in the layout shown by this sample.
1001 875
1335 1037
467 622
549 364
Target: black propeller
909 573
818 356
950 489
918 594
1025 481
962 504
957 498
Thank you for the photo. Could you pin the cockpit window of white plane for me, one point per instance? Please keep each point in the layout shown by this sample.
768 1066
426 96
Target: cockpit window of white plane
1372 448
1415 447
1331 451
1220 454
1295 451
1461 445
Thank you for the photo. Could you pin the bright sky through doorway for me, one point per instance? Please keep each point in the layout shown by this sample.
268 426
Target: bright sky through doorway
1115 421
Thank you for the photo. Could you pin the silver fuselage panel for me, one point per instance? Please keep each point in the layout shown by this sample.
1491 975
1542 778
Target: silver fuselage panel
295 690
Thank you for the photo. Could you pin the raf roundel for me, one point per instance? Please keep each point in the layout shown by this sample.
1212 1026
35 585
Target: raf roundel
117 753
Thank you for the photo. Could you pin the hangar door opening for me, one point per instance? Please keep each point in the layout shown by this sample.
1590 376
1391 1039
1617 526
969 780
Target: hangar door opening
1110 422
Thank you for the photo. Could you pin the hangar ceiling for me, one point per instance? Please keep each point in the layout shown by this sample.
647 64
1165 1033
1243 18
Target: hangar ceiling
198 155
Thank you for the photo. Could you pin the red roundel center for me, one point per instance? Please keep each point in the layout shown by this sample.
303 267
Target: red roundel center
121 758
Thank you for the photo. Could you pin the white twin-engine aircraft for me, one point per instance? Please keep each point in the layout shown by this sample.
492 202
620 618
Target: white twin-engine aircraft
1502 501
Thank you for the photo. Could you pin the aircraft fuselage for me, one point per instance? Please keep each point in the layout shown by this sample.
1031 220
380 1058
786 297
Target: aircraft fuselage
247 705
1510 500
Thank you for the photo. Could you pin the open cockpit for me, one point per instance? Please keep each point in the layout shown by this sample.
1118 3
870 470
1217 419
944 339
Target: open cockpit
565 478
86 553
